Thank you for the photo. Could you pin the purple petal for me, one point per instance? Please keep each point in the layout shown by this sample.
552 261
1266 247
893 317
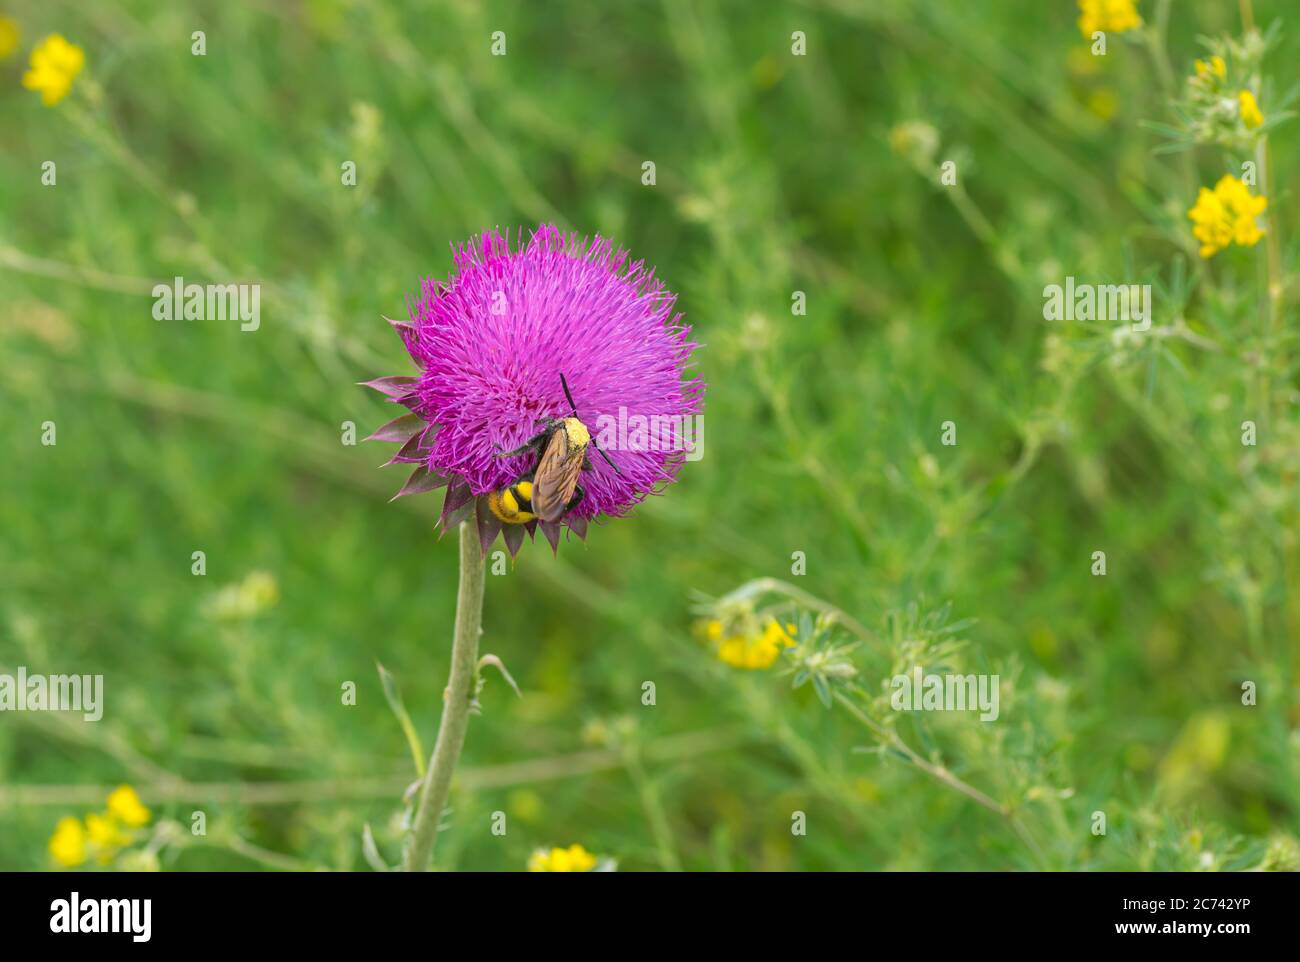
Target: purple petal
399 429
489 525
420 481
393 387
458 495
463 513
408 453
514 535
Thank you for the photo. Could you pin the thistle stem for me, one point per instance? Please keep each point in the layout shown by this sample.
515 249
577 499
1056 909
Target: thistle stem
457 699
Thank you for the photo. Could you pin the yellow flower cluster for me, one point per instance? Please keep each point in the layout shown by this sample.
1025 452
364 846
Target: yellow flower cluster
1113 16
1226 215
750 650
1214 67
575 858
68 843
101 835
1251 115
55 64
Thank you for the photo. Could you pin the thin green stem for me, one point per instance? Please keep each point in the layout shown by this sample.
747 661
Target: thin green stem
654 810
940 773
264 856
457 700
1156 37
1271 307
760 586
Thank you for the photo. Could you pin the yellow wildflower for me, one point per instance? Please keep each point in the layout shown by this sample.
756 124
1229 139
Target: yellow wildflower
756 651
55 64
106 836
1226 215
1114 16
9 35
1251 115
124 805
575 858
68 843
1215 67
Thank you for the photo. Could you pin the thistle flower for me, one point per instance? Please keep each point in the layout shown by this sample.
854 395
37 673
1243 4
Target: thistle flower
1226 215
1114 16
492 342
55 64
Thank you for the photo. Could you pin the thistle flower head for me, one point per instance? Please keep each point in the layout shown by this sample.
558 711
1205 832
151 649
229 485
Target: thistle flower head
496 344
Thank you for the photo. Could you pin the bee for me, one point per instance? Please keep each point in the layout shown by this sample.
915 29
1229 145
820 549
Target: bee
551 490
514 504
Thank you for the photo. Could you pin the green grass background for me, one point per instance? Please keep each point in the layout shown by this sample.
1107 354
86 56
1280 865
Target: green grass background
775 174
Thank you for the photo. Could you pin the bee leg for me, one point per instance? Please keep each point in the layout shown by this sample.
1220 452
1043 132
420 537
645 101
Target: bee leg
528 447
586 463
578 495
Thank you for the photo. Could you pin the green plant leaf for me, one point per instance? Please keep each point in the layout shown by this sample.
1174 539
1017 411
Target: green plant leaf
394 698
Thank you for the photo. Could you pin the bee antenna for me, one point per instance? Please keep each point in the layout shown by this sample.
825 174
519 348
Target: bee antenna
565 384
602 453
568 394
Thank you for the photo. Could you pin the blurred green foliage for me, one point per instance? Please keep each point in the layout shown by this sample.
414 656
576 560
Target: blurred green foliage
775 174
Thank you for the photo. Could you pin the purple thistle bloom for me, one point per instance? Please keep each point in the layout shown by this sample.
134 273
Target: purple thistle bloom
492 342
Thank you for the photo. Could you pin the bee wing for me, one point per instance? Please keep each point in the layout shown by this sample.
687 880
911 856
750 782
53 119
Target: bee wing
556 478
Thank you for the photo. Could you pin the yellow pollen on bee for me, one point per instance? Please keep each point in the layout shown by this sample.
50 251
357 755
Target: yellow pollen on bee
576 432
